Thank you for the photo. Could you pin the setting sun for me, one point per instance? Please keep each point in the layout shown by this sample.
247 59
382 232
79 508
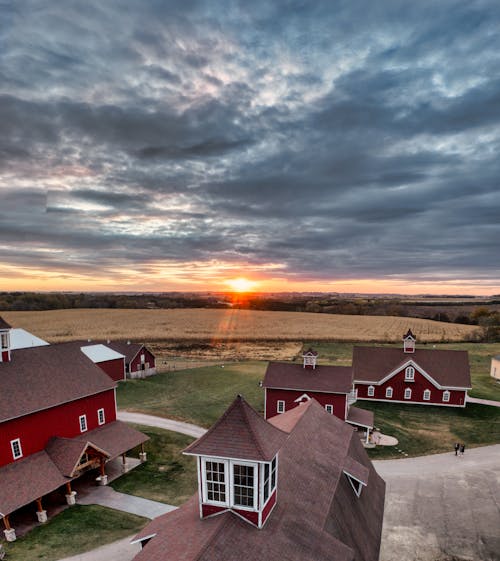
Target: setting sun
241 284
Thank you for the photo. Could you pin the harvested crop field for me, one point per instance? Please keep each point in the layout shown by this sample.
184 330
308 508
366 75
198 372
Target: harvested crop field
213 325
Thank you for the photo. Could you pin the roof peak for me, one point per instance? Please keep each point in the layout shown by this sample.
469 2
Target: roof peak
239 433
4 324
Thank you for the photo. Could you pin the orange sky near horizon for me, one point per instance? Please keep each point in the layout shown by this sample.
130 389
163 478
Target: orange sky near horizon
211 278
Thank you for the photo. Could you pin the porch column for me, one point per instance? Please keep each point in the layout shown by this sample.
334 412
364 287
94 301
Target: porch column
70 494
41 514
142 454
367 435
103 480
9 532
124 463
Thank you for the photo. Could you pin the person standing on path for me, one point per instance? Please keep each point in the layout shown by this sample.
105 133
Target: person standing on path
457 447
462 449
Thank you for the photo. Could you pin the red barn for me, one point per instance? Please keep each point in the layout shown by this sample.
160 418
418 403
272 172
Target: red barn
57 421
139 360
107 359
286 385
299 487
411 375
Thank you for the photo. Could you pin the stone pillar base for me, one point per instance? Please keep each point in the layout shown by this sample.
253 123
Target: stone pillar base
102 480
42 516
10 535
71 498
143 456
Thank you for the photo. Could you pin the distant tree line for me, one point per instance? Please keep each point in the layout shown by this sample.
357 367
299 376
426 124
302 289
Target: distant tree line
487 316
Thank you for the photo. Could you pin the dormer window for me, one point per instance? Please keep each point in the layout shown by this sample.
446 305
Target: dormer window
238 464
409 374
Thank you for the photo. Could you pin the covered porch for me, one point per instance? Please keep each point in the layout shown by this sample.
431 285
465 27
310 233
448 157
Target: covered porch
45 482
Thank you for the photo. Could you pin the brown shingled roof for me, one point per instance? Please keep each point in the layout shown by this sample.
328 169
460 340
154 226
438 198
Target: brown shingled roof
26 480
286 375
129 350
360 417
240 433
447 368
42 377
4 324
317 515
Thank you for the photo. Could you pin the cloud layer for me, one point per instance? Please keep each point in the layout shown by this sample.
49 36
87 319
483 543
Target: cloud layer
307 141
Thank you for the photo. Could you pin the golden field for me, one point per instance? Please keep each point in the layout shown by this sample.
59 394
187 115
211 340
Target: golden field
215 325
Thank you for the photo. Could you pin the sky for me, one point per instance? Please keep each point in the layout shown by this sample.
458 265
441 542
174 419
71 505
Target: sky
162 145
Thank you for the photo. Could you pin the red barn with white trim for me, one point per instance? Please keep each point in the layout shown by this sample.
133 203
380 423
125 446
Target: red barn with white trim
411 375
286 385
57 421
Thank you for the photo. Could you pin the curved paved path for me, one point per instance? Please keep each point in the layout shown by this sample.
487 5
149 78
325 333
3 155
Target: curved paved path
438 508
161 423
483 401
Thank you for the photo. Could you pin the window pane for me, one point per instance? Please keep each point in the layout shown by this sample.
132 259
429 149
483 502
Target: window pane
243 481
215 481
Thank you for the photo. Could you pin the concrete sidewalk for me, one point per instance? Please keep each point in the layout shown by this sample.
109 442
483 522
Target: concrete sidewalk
107 496
483 401
121 550
161 423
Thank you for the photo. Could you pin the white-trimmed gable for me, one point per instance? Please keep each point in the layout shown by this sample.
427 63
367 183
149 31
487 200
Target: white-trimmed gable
403 367
303 397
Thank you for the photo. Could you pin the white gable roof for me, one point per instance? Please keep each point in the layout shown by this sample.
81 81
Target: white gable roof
100 353
22 339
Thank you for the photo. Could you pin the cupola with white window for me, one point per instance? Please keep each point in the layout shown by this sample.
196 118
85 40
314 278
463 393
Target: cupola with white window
238 465
409 342
309 358
4 341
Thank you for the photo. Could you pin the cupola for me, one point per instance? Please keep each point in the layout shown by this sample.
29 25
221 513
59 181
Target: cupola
4 341
309 358
409 342
238 464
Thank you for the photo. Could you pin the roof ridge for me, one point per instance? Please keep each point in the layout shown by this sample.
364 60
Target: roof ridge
214 534
251 428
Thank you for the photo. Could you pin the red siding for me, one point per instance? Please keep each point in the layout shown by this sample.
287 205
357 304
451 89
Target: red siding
421 383
35 430
338 400
249 515
269 506
209 510
136 362
5 356
115 368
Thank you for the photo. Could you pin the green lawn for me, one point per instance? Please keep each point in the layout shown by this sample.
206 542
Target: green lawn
75 530
197 395
168 476
424 429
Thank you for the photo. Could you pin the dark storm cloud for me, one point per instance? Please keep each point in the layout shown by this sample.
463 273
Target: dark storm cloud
337 140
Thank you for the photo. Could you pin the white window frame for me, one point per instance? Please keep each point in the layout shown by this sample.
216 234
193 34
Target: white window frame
280 406
407 393
226 481
4 341
329 408
446 396
143 358
255 485
371 391
13 444
82 423
389 392
427 395
101 416
409 374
